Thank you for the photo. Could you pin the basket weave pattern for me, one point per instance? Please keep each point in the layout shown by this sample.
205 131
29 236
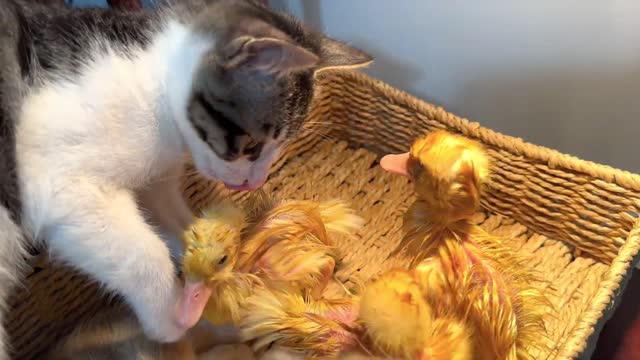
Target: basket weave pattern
574 219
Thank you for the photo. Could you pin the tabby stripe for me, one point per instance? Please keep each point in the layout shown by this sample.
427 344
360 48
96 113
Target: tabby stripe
254 152
231 130
201 132
221 119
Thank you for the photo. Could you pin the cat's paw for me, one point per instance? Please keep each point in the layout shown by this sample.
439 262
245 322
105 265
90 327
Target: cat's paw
162 316
165 330
163 325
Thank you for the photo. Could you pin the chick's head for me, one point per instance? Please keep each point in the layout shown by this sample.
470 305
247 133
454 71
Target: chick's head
211 243
449 171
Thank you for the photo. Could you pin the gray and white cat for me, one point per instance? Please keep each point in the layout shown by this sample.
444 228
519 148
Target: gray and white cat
99 110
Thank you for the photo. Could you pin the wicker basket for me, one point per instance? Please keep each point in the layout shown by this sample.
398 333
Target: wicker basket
576 220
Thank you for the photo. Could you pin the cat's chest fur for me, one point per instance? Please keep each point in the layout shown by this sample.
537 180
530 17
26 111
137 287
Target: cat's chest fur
94 129
111 126
109 123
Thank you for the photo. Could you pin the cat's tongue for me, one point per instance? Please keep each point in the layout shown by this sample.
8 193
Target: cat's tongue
243 187
254 183
192 302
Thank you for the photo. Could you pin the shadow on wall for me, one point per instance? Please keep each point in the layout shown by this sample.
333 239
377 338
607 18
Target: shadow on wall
392 70
310 11
311 14
571 108
574 107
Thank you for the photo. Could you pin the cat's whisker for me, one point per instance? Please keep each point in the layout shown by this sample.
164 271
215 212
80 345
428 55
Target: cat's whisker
323 135
314 127
315 121
173 177
319 128
319 123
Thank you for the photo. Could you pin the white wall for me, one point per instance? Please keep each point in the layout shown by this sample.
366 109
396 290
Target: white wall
564 74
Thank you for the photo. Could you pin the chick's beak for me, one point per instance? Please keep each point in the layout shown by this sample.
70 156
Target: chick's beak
192 302
396 163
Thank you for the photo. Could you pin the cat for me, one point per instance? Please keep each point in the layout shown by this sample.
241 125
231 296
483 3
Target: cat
100 109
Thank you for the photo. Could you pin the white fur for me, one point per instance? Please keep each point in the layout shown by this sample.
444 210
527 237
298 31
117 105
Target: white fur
233 173
206 160
11 255
87 147
236 173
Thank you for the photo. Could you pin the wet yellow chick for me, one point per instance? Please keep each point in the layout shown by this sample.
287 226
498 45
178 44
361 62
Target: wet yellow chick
395 317
292 242
505 309
211 250
271 244
315 328
211 243
399 320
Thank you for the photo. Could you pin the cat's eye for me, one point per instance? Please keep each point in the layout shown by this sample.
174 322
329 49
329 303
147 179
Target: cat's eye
223 260
276 132
252 148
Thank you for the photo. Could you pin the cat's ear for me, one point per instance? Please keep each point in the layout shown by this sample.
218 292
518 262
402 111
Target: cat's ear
267 56
335 54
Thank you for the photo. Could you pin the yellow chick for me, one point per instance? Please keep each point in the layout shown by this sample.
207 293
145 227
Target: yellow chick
211 251
211 243
315 328
210 247
292 243
505 309
395 317
400 322
232 252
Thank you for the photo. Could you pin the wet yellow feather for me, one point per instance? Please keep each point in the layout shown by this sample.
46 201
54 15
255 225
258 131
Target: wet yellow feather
230 293
400 321
270 245
316 328
211 242
500 300
293 241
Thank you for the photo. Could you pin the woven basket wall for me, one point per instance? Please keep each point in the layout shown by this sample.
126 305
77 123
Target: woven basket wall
575 220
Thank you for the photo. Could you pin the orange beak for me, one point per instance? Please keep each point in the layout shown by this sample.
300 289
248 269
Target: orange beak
396 163
192 302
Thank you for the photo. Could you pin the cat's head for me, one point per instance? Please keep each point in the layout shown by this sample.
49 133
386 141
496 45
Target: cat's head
252 89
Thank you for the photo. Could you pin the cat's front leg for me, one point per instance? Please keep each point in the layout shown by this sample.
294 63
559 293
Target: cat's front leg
166 208
101 231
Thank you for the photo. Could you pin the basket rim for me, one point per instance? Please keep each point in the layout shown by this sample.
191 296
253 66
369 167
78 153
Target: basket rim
515 145
617 271
604 297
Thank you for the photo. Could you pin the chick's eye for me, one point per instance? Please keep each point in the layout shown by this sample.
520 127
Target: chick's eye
415 167
223 260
